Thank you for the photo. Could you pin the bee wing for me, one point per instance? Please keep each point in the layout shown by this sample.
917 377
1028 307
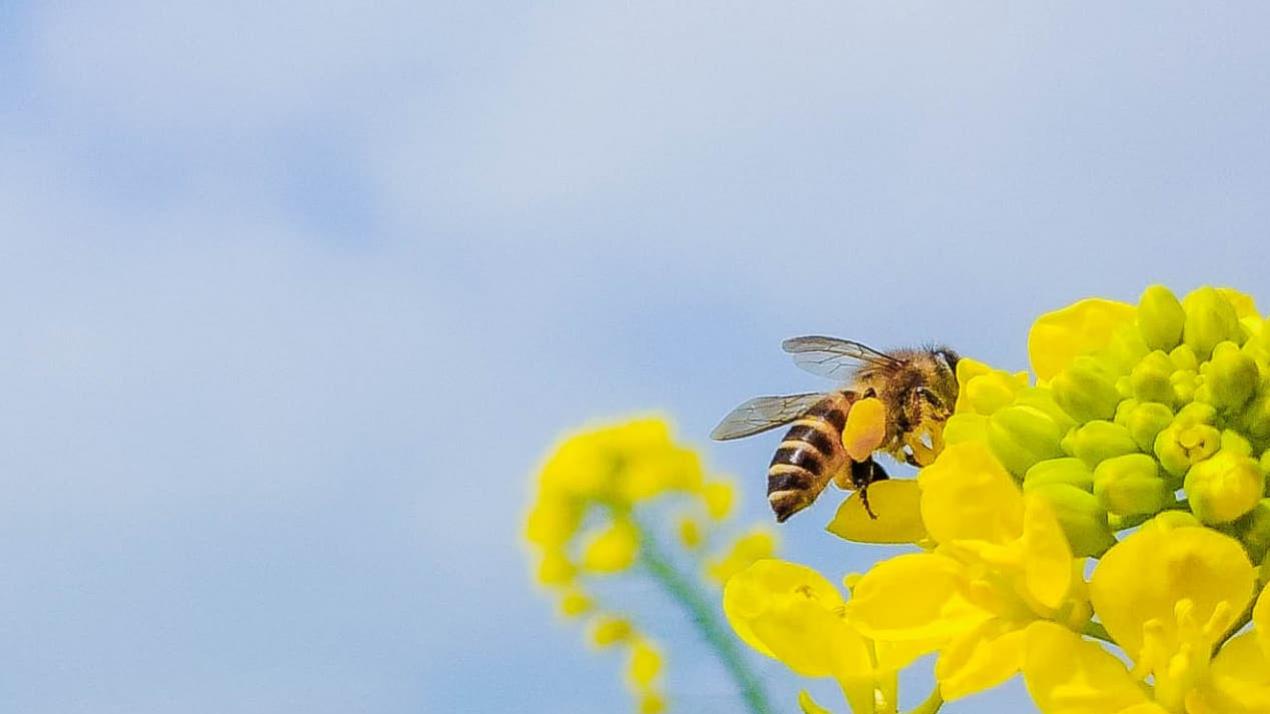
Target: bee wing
763 413
833 357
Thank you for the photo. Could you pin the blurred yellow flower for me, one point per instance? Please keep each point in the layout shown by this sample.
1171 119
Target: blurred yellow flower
755 545
607 631
719 497
595 498
613 549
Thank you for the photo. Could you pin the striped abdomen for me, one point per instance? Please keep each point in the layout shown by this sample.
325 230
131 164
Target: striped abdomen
810 454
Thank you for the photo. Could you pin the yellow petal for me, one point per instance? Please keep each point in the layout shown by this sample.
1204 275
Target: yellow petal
980 659
894 656
1239 681
792 613
1047 558
651 703
1058 337
965 427
608 630
1146 575
574 603
644 666
889 604
555 568
966 493
897 505
612 550
552 522
1144 708
865 428
1068 675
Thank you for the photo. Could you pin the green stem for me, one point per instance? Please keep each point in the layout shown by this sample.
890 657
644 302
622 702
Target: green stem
931 705
1097 631
704 615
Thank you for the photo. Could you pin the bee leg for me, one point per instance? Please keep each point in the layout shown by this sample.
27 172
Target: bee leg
864 473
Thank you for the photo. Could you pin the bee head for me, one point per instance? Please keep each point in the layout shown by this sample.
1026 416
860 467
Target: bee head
940 391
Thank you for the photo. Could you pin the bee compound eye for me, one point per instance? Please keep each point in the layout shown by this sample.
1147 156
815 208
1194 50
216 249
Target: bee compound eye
949 357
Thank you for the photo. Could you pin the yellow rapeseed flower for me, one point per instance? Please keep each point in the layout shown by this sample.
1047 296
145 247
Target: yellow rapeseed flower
1001 562
1167 595
793 614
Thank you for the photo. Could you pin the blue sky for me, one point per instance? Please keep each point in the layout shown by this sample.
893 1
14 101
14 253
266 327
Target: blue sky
295 296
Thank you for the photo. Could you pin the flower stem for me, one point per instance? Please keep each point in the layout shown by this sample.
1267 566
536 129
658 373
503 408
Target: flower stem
931 705
706 618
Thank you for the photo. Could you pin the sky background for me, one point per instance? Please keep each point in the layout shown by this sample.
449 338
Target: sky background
294 296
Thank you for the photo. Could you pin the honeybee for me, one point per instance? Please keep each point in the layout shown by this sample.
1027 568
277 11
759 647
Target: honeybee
917 387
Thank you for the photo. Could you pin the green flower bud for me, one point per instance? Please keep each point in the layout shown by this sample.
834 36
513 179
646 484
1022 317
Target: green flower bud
1224 487
1255 419
1254 530
1098 440
1258 346
987 393
1086 390
1082 518
1202 392
1181 446
1233 442
1072 472
1183 357
1160 318
1021 436
1145 421
1043 398
1231 376
1119 523
1185 383
1131 485
1170 520
1124 409
1196 414
1210 319
1126 348
1150 378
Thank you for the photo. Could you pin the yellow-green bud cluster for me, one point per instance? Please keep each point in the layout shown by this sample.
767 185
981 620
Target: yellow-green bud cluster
1172 412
